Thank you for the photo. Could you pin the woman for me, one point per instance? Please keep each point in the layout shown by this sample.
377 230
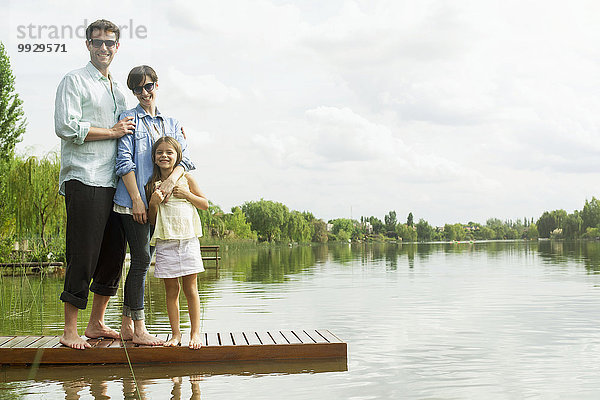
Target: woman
134 167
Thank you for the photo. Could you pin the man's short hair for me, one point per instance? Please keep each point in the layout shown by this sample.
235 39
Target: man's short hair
103 26
138 74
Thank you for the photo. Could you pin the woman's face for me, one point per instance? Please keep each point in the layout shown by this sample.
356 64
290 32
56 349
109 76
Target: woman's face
147 99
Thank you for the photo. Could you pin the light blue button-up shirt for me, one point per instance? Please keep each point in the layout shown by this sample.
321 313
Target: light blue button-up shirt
135 151
84 99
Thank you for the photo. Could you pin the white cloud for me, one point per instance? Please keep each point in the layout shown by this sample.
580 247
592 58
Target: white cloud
202 90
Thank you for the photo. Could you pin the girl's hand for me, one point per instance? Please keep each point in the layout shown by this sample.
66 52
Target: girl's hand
180 192
139 211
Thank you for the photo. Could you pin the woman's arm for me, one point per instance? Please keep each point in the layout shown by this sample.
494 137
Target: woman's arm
168 184
194 195
139 208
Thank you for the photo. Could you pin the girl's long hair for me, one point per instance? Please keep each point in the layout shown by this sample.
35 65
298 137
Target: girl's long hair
156 176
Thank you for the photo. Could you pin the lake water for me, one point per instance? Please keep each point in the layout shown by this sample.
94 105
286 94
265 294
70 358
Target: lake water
496 320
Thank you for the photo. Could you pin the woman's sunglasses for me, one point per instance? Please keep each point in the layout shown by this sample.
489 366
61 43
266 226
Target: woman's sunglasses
99 42
148 87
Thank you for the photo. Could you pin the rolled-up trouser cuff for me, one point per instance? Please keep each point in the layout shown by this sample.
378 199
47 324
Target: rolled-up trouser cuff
135 315
74 300
103 290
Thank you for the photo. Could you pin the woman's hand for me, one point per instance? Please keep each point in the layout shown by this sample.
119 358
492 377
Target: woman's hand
166 187
139 211
157 197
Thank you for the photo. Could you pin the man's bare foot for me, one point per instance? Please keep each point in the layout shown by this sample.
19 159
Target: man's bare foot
146 339
98 329
195 341
74 341
175 340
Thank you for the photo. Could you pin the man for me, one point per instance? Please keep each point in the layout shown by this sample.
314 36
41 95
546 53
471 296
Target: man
88 103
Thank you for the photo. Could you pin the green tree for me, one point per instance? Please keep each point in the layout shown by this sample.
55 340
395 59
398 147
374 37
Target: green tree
590 214
213 220
33 196
319 231
266 217
424 231
390 222
409 219
406 232
377 225
237 224
12 117
297 228
532 231
572 226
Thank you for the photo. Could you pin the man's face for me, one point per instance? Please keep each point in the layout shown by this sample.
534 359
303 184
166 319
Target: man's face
102 56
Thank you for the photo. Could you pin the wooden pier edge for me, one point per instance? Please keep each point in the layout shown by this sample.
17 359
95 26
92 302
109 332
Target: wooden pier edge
23 350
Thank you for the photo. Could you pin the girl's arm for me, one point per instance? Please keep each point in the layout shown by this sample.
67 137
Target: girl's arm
155 200
194 195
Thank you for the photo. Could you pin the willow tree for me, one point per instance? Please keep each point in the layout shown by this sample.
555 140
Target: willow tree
33 195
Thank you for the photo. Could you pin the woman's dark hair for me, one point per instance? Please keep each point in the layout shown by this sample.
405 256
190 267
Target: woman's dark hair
156 176
138 74
103 26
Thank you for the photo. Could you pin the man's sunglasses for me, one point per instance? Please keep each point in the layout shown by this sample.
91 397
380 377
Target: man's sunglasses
148 87
99 42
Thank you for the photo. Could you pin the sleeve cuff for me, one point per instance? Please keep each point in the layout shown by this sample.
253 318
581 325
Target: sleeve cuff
84 128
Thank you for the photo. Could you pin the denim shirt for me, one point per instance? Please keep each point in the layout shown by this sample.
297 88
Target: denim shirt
86 98
134 151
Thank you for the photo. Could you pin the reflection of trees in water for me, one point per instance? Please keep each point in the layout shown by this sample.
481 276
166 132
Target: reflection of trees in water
581 251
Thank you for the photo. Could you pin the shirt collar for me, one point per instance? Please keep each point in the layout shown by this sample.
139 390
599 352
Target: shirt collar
142 113
95 73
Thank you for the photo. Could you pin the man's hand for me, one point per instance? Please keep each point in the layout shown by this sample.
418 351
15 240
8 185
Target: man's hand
123 127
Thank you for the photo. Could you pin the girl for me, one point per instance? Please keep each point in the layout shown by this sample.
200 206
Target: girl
176 232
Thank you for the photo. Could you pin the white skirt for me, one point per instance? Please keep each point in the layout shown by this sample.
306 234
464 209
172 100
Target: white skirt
177 257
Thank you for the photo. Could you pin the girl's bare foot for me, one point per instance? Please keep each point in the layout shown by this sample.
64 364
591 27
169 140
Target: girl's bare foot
196 341
175 340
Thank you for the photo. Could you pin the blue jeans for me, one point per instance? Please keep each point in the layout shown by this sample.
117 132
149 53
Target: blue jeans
138 238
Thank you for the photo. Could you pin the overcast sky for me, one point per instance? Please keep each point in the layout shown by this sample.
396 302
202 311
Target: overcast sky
455 111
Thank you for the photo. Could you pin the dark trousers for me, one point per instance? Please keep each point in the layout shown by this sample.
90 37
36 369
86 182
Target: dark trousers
95 248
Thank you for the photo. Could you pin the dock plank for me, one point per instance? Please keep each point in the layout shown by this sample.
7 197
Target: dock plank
290 337
212 339
239 339
226 339
251 338
330 337
314 335
5 339
265 338
222 346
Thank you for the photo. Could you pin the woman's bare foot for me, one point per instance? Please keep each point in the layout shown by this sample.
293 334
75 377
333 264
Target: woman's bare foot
97 329
175 340
196 341
126 329
74 341
147 339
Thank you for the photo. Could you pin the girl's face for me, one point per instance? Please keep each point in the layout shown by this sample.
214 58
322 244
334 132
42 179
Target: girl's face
165 156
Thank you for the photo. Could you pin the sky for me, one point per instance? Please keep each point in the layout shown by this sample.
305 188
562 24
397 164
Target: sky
455 111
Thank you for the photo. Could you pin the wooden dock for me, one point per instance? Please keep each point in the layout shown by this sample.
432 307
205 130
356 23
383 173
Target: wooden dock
221 346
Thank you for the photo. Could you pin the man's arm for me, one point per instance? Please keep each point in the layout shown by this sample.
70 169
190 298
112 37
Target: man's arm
68 113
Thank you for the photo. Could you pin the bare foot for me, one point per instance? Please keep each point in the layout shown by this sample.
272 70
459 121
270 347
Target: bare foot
74 341
127 330
195 341
146 339
174 341
98 329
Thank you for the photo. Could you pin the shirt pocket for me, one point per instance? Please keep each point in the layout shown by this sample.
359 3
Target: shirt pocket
142 141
